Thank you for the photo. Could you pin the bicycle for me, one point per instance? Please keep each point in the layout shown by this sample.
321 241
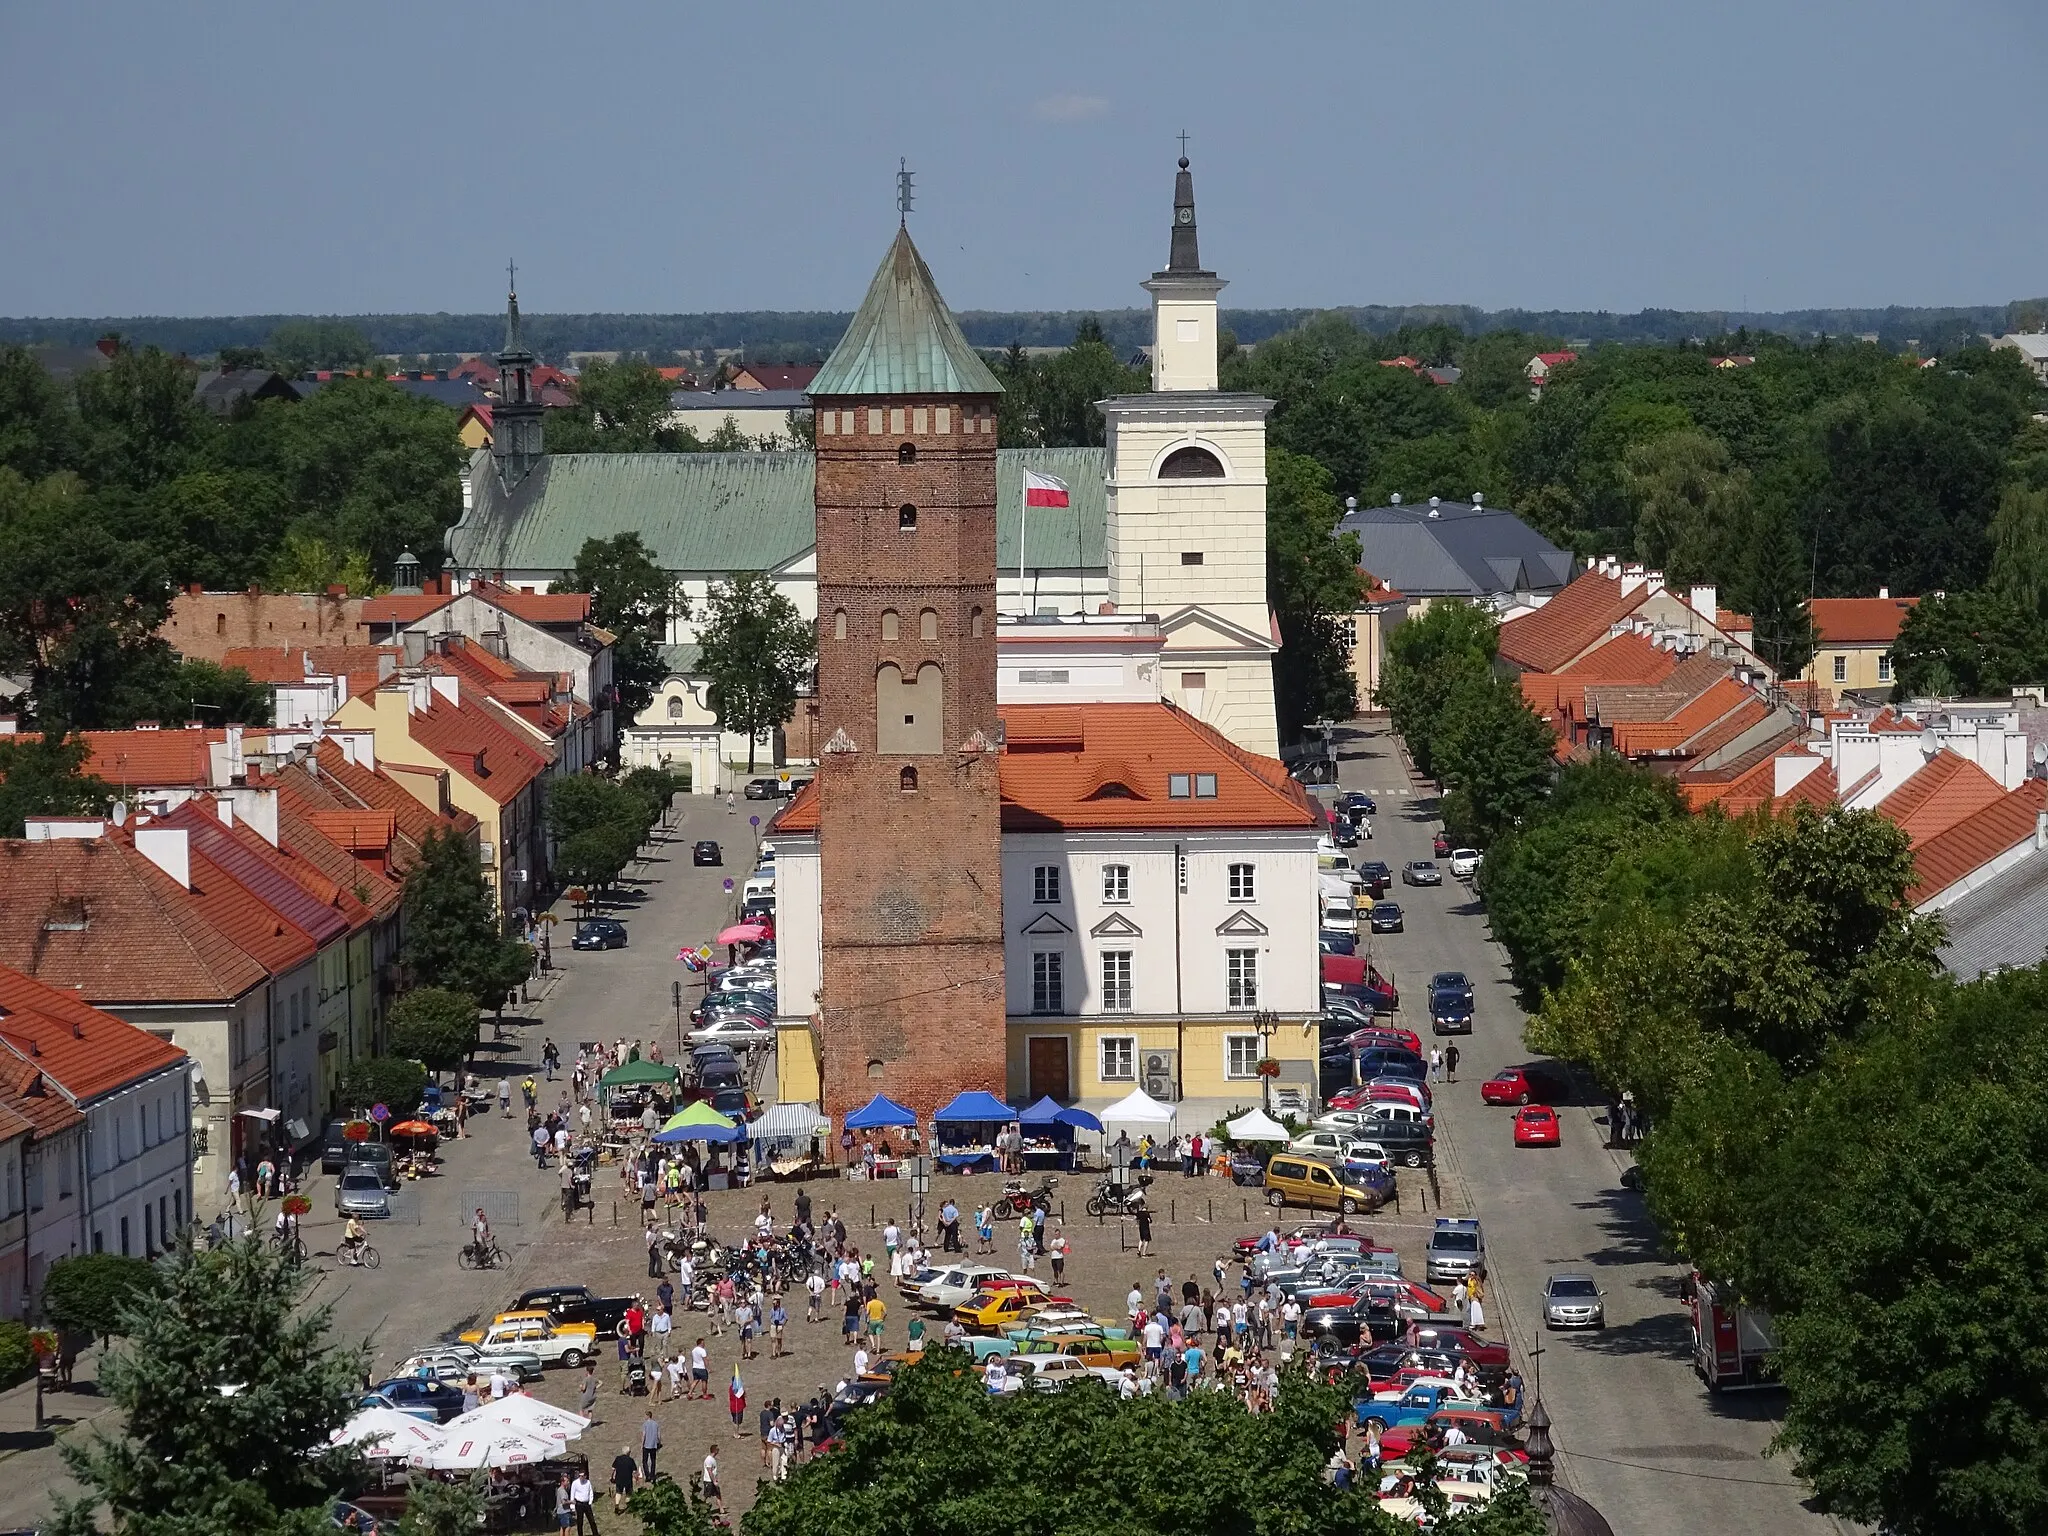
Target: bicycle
366 1256
292 1245
491 1257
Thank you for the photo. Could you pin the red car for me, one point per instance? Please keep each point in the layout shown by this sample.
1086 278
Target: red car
1511 1085
1441 846
1536 1126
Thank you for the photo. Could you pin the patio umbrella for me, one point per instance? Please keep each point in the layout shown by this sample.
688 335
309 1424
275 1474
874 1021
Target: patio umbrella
410 1128
380 1432
699 1122
528 1415
500 1446
742 933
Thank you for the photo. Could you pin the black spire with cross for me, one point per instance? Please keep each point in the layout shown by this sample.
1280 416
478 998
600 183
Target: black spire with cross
904 196
516 413
1183 256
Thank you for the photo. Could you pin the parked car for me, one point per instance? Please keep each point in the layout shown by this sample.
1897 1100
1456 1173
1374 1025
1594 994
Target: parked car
458 1362
762 789
535 1333
599 933
706 852
1361 1320
1573 1301
736 1104
377 1155
432 1401
1457 1248
1359 801
1440 845
1386 917
1464 863
1536 1125
732 1030
1375 876
1331 942
576 1304
1296 1180
1522 1085
335 1147
1416 1405
361 1192
1421 872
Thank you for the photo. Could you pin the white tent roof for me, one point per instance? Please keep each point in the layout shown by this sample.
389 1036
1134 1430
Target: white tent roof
1256 1125
1138 1108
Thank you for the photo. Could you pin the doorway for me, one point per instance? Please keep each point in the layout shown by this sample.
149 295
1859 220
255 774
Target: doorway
1047 1072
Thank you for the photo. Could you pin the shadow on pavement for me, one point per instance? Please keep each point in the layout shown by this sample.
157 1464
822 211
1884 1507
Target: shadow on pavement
31 1439
1663 1333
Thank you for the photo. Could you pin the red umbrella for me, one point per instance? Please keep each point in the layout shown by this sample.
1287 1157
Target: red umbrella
742 933
410 1128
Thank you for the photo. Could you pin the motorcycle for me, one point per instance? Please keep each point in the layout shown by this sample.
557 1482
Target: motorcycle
1016 1200
1110 1197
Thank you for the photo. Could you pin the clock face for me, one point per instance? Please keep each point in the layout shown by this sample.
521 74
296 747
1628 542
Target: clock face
1184 215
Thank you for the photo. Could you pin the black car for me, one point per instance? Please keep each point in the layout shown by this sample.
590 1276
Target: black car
1347 1327
1410 1143
1386 917
1356 802
599 933
408 1394
762 789
1376 876
335 1150
706 852
1450 1011
1332 942
576 1304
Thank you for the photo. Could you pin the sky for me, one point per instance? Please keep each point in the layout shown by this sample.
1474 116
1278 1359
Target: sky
376 157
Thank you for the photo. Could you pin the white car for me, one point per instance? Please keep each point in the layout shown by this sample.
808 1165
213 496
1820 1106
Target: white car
1344 1122
1045 1373
1464 863
957 1285
732 1032
455 1362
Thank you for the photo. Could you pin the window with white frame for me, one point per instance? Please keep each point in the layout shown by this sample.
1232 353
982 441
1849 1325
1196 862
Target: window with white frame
1244 883
1884 667
1119 1058
1116 981
1841 668
1048 981
1045 883
1116 882
1240 1055
1241 976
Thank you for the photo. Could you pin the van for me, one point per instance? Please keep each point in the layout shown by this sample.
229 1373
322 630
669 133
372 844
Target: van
760 883
1340 912
1296 1180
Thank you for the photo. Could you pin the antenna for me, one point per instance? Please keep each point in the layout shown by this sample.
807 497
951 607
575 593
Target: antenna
904 197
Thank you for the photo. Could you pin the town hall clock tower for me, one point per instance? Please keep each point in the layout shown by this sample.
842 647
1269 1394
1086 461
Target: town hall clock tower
909 806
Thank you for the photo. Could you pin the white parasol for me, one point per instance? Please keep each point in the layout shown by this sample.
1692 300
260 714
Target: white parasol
383 1432
527 1415
466 1450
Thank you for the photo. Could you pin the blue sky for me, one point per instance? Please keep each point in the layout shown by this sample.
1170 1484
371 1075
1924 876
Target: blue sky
241 158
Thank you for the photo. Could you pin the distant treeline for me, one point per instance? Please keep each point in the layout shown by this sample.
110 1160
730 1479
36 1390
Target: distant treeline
807 335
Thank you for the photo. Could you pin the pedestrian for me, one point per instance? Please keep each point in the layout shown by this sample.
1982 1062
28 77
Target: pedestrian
586 1398
1436 1064
916 1332
777 1321
542 1143
736 1403
1461 1293
707 1486
1143 1214
650 1444
659 1326
700 1370
584 1496
1451 1063
625 1472
1475 1314
505 1108
678 1373
1058 1249
860 1361
1134 1305
949 1226
1027 1251
814 1288
878 1312
768 1417
565 1507
654 1269
849 1325
984 1229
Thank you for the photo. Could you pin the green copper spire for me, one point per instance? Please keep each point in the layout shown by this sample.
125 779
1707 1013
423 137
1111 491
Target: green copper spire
904 341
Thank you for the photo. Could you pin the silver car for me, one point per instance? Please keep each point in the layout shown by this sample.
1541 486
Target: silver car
1573 1301
360 1192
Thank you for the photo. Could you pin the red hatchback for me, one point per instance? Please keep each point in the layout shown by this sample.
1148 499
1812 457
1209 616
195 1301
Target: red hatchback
1511 1085
1536 1126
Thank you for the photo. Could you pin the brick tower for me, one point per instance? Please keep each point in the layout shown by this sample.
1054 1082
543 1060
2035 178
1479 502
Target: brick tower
909 807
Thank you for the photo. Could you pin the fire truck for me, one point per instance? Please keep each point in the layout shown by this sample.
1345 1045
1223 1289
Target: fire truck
1732 1344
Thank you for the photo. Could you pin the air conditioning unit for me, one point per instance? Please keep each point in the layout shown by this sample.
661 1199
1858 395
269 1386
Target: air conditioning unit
1158 1075
487 854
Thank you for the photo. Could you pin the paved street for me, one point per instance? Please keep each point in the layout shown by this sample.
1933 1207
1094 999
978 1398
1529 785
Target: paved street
1638 1433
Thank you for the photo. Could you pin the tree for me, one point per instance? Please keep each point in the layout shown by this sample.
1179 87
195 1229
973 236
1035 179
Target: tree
435 1508
228 1390
667 1508
300 346
392 1081
2019 548
1692 505
758 650
1425 659
434 1027
1493 752
1773 591
95 1292
306 562
634 599
162 686
17 1353
452 937
621 407
1313 584
1969 643
45 776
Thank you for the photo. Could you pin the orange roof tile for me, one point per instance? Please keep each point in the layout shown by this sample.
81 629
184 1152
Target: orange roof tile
33 1096
85 1052
1544 641
151 759
1949 788
467 739
1859 620
1627 658
370 789
362 665
1750 712
352 831
404 607
1977 839
1817 789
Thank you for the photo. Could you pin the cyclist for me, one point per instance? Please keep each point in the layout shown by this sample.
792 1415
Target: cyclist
482 1228
285 1232
352 1241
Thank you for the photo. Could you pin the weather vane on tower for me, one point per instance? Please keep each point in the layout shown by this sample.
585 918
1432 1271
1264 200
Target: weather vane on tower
903 194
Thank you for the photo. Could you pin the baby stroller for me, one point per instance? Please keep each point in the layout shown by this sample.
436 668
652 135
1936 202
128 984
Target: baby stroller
636 1375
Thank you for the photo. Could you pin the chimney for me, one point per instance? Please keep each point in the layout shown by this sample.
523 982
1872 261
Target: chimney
148 725
1434 501
9 725
1884 591
1705 600
1632 577
447 686
238 764
169 849
415 647
387 663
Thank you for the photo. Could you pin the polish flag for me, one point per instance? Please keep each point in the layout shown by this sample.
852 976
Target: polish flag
1043 490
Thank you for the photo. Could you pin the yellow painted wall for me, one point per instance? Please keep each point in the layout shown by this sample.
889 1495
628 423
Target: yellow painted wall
473 434
796 1064
1200 1042
1859 664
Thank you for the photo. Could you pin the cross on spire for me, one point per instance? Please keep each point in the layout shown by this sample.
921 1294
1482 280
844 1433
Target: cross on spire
1183 146
511 277
903 191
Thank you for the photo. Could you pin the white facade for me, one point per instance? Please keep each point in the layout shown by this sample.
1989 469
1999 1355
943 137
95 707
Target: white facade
1078 659
53 1176
138 1164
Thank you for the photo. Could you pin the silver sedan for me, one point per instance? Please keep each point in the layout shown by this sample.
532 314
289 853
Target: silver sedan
1573 1301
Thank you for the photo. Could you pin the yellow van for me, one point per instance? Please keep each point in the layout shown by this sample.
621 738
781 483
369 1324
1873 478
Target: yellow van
1295 1180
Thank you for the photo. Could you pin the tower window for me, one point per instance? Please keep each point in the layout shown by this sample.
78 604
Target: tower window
889 626
906 453
906 516
906 780
1191 557
977 623
839 624
220 623
675 709
928 625
1191 464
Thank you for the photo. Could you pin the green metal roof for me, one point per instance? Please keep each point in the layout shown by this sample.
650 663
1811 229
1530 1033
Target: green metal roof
903 340
719 512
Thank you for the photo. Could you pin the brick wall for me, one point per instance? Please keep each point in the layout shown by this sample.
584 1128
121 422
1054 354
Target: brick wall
207 625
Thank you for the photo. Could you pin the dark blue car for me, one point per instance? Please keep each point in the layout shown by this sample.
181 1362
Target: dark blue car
432 1401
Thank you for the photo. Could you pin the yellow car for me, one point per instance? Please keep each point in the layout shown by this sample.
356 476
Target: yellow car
997 1310
1089 1349
535 1333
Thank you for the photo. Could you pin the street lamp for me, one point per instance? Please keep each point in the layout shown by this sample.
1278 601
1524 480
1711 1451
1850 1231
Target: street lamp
1267 1023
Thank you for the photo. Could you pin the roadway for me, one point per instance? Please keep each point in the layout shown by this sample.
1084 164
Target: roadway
1637 1432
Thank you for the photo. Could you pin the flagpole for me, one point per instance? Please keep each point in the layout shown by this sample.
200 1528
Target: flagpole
1023 523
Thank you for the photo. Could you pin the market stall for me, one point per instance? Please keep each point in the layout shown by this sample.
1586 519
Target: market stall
700 1122
881 1113
628 1091
790 1140
1136 1116
1049 1134
964 1132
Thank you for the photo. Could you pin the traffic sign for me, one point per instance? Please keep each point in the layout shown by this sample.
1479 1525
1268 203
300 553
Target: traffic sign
379 1113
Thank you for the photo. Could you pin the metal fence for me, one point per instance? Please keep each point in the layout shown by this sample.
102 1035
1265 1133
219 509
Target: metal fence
500 1206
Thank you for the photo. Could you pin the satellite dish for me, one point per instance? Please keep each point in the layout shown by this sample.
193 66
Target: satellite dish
2041 754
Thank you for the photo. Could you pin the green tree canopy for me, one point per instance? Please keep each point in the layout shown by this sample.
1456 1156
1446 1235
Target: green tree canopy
1312 581
45 776
634 599
1426 659
435 1027
620 407
393 1081
95 1292
758 650
452 937
1969 643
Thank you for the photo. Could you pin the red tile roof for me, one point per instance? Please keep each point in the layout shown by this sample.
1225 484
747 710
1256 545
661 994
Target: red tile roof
1977 839
487 753
1544 641
779 375
1107 765
151 759
354 784
535 607
85 1052
404 607
1859 620
33 1096
262 872
1627 658
1946 790
363 665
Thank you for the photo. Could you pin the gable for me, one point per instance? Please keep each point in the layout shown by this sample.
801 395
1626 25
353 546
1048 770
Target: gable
1116 926
1197 629
1045 923
1241 922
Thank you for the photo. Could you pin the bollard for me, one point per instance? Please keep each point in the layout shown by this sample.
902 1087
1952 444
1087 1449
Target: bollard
1245 1214
1173 1212
615 1213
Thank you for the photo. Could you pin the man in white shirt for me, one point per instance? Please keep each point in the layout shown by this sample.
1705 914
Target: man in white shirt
710 1485
1134 1303
584 1496
658 1328
500 1384
1454 1435
815 1286
860 1361
700 1366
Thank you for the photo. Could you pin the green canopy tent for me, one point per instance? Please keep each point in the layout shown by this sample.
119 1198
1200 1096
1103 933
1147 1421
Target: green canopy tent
637 1074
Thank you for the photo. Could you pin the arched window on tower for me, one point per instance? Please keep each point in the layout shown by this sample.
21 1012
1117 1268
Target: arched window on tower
675 708
889 624
906 453
907 779
906 518
977 623
1191 464
839 624
928 625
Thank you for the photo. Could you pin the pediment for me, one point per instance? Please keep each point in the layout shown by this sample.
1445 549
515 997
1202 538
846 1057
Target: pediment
1116 926
1241 922
1045 922
1198 629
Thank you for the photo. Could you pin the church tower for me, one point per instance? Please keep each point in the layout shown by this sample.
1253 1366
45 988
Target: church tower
909 804
516 416
1187 505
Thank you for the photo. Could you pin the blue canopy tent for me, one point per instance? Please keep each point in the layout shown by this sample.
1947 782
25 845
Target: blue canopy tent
965 1131
1049 1133
878 1112
1080 1120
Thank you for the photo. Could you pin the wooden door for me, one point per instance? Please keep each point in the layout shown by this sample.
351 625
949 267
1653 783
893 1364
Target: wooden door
1046 1069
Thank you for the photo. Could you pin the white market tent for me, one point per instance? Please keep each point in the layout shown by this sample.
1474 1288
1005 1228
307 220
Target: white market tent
500 1446
527 1415
384 1432
1256 1125
1137 1111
